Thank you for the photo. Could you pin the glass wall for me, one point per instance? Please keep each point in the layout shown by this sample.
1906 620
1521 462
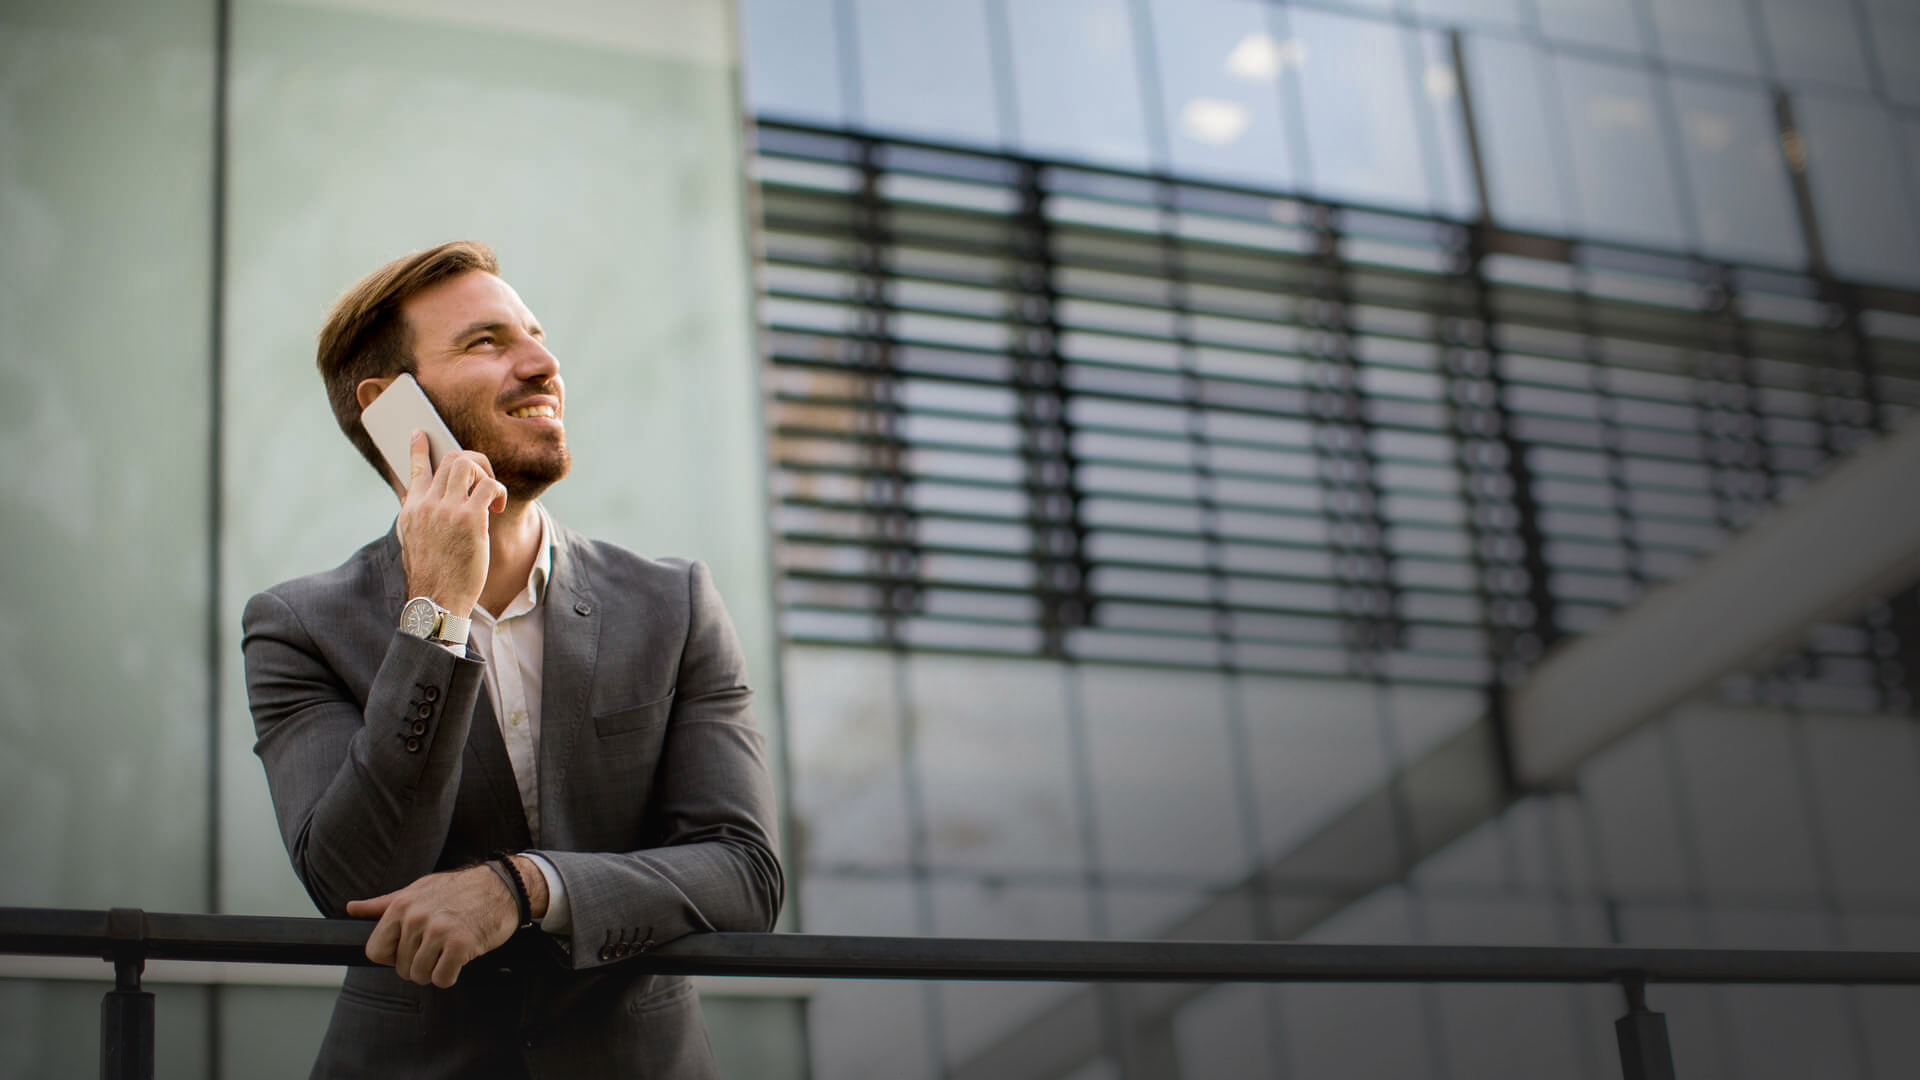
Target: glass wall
1167 493
595 145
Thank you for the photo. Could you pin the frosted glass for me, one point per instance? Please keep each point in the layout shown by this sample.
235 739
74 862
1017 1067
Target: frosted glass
106 234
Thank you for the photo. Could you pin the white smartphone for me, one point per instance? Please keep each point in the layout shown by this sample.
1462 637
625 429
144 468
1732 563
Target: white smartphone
400 410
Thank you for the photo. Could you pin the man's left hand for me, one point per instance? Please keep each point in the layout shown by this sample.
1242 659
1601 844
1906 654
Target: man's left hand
434 927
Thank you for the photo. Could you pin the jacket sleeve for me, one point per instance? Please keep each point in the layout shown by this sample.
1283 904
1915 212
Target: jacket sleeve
363 796
713 863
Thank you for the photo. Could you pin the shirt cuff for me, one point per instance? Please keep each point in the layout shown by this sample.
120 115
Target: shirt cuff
559 916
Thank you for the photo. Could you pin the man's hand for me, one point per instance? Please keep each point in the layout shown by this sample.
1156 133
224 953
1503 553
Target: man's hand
443 525
434 927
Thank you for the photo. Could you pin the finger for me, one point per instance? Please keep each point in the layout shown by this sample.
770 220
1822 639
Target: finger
408 948
425 959
447 971
487 492
371 908
419 465
381 943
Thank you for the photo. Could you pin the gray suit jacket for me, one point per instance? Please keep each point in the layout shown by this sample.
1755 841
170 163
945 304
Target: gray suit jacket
386 763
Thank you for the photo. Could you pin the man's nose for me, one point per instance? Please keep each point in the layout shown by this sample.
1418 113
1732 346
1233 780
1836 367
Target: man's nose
537 362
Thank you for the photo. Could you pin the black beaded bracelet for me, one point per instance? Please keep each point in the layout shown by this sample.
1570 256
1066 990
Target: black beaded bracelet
501 863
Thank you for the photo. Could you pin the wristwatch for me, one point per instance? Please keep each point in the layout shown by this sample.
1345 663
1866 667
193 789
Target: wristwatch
425 619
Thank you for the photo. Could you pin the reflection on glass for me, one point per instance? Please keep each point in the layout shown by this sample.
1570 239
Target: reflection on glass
1741 199
927 69
1814 41
1621 173
1222 77
1076 79
1711 33
792 60
1361 137
1859 189
1607 23
1518 144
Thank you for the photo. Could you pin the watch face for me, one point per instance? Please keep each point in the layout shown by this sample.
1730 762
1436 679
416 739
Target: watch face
419 617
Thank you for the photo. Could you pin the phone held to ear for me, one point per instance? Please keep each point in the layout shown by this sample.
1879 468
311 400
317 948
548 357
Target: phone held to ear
400 410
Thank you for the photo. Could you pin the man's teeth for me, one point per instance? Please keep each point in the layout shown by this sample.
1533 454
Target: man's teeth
526 412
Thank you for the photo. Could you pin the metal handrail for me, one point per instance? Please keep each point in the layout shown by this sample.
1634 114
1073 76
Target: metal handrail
128 937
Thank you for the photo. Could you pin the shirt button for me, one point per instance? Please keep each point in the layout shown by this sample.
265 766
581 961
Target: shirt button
517 717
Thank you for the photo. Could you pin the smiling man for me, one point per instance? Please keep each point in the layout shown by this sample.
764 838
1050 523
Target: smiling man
526 754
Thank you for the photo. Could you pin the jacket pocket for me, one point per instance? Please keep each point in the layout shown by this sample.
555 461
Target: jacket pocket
374 999
634 718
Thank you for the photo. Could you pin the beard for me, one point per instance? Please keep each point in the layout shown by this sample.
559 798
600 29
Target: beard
526 468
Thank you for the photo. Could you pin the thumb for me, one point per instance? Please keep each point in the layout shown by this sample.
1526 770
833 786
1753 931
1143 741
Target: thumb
371 908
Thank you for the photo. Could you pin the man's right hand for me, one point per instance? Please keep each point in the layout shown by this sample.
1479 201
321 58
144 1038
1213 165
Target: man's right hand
443 526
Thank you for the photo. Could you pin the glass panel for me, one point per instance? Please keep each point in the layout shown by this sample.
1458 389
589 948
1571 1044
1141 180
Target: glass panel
1222 76
927 69
1711 33
991 744
1315 749
51 1028
1076 75
1620 166
270 1032
1606 23
1362 143
793 59
1815 41
1860 189
866 1027
1742 201
1866 775
977 1015
1227 1032
1896 41
106 235
849 791
1634 819
1519 140
1440 98
1745 804
1163 780
1507 13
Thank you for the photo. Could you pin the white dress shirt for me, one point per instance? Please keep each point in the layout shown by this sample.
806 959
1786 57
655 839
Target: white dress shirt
513 644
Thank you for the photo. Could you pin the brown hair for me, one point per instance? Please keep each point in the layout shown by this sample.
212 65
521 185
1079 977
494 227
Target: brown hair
365 336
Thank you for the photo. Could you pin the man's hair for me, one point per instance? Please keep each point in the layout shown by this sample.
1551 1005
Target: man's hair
366 337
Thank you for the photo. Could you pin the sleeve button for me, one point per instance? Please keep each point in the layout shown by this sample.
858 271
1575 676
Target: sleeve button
413 745
423 711
606 952
419 727
431 693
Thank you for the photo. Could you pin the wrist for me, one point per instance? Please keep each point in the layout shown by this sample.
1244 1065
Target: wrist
536 883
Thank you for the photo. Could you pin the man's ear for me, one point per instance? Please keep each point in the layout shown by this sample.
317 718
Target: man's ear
371 388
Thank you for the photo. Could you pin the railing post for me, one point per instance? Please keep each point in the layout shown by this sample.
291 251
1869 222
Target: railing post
1644 1051
126 1013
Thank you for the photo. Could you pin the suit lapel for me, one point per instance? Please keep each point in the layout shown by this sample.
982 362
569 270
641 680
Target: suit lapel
486 750
571 625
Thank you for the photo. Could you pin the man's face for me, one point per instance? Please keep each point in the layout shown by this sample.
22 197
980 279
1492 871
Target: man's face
482 359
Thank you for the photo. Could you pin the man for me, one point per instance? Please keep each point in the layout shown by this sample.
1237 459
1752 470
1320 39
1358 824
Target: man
483 723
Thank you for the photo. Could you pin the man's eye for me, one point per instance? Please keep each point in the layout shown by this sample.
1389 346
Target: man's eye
485 340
